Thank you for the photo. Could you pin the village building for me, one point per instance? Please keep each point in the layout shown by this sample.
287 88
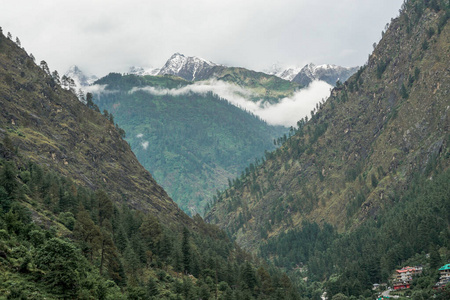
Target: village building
444 277
404 277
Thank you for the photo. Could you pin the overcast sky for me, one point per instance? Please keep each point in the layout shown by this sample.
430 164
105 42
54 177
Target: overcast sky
101 36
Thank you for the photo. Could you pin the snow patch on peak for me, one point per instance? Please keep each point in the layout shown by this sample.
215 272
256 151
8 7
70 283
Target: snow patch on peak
286 73
79 77
326 72
140 71
186 67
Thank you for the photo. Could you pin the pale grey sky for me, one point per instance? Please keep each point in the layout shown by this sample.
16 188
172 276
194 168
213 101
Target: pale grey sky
101 36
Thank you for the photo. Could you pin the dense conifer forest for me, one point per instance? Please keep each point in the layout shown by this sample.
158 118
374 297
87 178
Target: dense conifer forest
60 240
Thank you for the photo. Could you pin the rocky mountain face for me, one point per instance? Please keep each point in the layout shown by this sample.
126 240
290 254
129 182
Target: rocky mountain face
48 126
360 150
327 73
187 67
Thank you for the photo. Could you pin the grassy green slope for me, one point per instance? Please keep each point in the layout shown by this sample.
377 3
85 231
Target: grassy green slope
191 143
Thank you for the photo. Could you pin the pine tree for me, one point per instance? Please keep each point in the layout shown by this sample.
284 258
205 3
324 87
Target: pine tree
186 251
87 233
151 232
55 76
8 179
248 276
44 67
435 257
105 206
89 102
152 288
265 280
108 251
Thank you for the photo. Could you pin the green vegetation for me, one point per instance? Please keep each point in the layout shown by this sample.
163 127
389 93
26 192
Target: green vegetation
355 192
269 88
191 143
360 188
49 126
60 240
370 253
81 219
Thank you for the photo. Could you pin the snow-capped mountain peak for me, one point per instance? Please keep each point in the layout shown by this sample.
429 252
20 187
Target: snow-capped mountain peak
286 73
289 73
187 67
326 72
310 72
79 77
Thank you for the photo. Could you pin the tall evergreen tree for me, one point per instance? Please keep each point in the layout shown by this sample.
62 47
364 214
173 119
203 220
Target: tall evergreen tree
186 250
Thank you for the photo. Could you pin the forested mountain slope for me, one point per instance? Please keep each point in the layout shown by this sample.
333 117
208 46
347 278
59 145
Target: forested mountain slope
375 132
49 126
328 196
191 142
80 218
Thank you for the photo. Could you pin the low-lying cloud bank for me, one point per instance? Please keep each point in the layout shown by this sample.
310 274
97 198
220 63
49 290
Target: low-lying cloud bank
287 112
290 110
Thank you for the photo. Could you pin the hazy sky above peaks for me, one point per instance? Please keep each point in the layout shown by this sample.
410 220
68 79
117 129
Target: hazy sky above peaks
101 36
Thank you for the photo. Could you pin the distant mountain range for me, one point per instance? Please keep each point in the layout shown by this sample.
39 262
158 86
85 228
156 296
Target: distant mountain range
328 73
194 68
310 72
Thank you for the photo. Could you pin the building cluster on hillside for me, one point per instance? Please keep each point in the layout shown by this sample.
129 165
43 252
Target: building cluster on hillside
444 277
404 277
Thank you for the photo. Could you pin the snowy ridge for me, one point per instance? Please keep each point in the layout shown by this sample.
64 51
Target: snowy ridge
139 71
310 72
284 73
288 74
187 67
328 73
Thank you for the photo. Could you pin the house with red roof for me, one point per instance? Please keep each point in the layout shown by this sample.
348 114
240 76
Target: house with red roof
404 277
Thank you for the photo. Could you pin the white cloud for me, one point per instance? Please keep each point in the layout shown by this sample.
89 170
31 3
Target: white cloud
97 89
144 145
287 112
251 33
290 110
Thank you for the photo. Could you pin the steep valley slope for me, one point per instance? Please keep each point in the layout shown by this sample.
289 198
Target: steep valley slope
191 142
48 125
362 150
80 218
